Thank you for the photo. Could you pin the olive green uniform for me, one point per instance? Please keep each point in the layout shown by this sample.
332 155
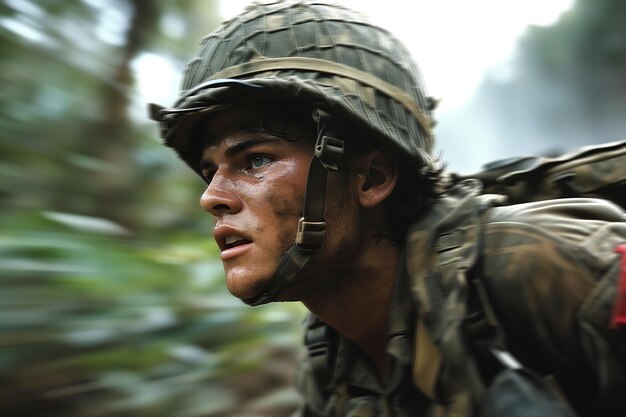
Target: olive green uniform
545 264
550 270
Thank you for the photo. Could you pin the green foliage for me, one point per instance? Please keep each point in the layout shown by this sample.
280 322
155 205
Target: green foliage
98 323
112 300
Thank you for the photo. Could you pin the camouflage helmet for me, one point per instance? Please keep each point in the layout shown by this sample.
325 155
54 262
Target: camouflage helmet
325 54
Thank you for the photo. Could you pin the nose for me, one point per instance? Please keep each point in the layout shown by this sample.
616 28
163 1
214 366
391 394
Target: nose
219 197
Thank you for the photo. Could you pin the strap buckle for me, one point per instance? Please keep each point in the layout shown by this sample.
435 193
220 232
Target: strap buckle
329 151
310 235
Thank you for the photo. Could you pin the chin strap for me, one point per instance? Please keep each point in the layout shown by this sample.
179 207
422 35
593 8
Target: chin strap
311 226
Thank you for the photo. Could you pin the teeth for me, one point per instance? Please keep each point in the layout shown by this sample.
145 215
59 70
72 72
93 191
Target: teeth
232 239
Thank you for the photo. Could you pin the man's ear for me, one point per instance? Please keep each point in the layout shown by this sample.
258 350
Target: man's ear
377 175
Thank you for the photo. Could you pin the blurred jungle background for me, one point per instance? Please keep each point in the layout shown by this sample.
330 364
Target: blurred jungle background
111 294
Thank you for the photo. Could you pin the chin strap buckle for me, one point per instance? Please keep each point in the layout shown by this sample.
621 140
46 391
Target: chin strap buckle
329 151
310 235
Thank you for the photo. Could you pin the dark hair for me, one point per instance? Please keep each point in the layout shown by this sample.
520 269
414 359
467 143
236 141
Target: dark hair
279 114
416 191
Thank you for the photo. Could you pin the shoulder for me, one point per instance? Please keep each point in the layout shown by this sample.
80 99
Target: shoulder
566 209
543 262
564 233
555 240
551 272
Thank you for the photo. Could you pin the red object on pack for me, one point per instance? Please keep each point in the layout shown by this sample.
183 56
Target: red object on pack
619 309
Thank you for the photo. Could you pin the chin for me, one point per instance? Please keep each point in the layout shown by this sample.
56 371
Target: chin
244 286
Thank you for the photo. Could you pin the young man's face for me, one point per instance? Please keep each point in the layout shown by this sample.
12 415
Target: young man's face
257 165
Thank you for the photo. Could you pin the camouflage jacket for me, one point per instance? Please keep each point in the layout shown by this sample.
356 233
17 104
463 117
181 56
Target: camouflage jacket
551 272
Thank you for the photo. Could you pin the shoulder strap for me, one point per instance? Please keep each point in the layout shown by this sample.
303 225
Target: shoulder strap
320 342
443 248
454 308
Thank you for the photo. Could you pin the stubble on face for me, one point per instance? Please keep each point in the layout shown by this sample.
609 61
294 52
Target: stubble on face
287 212
329 265
273 216
272 196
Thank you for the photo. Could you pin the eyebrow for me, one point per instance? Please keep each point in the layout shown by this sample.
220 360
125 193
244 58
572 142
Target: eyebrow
239 147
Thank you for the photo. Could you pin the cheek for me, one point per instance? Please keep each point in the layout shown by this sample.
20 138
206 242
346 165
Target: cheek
344 219
286 194
280 207
286 206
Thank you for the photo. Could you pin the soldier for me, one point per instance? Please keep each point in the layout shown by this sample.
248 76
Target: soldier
313 132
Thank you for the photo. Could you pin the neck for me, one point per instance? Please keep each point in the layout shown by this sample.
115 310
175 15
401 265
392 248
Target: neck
358 303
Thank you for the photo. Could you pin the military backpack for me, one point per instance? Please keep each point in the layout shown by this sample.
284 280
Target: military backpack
456 320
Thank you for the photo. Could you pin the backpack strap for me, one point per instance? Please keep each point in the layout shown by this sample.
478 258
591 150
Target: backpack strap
457 321
442 250
321 344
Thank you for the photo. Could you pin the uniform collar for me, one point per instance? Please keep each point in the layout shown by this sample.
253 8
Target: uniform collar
358 369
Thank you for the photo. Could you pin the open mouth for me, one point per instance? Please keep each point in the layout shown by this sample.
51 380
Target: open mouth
234 241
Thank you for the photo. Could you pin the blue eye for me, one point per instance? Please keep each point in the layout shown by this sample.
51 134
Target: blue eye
257 161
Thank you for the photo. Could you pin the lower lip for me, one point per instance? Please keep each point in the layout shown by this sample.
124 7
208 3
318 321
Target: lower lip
234 252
